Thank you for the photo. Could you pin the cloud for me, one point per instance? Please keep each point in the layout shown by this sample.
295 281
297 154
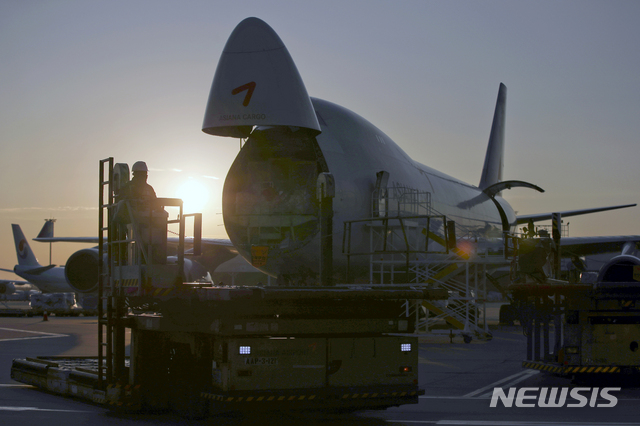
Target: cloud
48 209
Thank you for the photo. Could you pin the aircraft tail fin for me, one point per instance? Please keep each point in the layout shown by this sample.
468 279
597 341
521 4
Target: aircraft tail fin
23 251
494 159
47 229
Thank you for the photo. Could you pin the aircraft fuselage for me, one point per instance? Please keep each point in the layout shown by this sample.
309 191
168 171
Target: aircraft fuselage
269 197
51 281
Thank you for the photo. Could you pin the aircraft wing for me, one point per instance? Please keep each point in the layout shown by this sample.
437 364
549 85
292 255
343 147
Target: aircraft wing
522 219
209 245
584 246
88 240
221 242
16 282
214 251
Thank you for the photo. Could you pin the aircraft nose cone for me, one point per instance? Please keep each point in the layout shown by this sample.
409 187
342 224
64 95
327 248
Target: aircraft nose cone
253 35
257 84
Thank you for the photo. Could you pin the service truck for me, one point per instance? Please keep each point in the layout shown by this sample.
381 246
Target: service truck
583 328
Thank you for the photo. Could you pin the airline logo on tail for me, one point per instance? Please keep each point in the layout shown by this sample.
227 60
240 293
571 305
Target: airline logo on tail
23 249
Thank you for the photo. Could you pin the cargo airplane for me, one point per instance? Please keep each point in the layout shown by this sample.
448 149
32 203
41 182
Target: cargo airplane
269 196
298 147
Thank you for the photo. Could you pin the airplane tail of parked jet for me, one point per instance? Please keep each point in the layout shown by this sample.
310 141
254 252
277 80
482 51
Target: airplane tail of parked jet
25 255
49 279
47 229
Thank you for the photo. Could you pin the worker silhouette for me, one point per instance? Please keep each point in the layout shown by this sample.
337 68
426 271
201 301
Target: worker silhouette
534 255
530 231
151 220
138 190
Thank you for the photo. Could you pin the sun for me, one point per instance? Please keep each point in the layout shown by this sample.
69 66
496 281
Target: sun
194 196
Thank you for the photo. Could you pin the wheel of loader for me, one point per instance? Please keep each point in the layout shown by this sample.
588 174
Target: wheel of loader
467 338
185 378
507 314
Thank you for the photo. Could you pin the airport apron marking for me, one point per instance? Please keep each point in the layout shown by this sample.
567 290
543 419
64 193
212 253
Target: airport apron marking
40 409
516 378
45 335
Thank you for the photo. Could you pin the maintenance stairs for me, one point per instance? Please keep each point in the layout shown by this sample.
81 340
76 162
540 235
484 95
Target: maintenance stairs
411 243
133 262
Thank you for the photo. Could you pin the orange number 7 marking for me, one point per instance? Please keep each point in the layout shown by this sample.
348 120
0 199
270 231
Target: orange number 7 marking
249 87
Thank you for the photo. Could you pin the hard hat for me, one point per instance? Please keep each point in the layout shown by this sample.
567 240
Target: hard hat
139 166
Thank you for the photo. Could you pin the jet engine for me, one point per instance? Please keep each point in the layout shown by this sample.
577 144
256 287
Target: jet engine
7 288
620 269
81 271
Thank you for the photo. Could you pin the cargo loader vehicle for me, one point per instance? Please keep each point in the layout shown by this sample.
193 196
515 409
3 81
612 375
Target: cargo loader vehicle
197 348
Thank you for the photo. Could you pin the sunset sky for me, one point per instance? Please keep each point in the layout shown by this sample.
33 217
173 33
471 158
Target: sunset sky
84 80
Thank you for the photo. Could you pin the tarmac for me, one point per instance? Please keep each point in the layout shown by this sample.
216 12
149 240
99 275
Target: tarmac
459 380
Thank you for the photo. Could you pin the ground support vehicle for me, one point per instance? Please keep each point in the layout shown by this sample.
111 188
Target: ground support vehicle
197 348
580 329
209 349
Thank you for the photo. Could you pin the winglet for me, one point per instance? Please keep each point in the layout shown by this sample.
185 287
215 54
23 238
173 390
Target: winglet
256 83
496 188
494 159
